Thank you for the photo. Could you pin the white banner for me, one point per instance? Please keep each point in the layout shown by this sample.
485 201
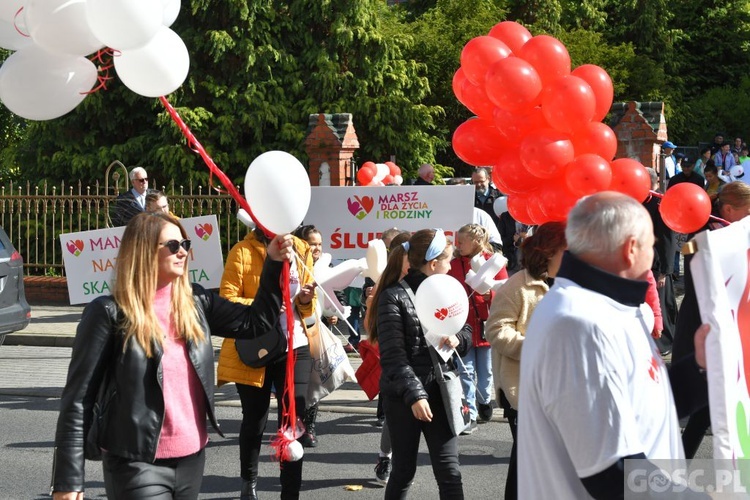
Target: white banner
722 284
349 217
89 258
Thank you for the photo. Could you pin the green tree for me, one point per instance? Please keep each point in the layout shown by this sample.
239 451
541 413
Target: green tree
259 68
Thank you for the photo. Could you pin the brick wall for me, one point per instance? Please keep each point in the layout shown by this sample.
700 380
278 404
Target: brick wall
330 145
640 130
46 290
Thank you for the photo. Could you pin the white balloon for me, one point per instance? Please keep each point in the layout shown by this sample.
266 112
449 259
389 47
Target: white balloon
398 180
442 305
60 26
156 69
171 11
500 205
38 85
295 451
381 170
376 258
9 9
11 38
278 190
245 218
125 24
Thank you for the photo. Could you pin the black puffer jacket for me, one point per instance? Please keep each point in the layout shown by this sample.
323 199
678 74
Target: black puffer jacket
405 361
136 404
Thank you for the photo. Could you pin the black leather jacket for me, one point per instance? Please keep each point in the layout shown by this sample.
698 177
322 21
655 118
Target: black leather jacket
405 361
133 421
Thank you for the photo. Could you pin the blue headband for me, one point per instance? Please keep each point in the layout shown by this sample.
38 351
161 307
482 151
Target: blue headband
437 246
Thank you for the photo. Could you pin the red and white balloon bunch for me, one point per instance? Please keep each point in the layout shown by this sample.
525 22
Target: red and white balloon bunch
49 74
379 174
538 124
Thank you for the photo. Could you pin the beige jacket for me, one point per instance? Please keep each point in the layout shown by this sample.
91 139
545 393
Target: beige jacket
506 327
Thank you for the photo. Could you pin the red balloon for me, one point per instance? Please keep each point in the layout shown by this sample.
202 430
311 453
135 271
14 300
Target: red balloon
514 126
548 55
631 178
370 165
388 180
545 152
601 84
477 142
393 169
511 33
595 138
568 104
458 80
478 54
509 176
517 207
365 173
534 206
588 174
556 202
474 98
513 84
685 207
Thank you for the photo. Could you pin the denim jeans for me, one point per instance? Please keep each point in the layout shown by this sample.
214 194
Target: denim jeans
476 379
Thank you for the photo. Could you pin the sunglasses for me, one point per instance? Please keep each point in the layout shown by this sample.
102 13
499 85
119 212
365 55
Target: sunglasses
145 179
174 245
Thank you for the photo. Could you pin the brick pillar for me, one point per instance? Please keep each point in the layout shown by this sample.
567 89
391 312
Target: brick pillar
330 145
640 131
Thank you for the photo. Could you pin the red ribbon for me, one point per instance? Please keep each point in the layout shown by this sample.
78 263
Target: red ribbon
289 409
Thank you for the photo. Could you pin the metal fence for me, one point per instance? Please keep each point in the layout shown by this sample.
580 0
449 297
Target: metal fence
35 216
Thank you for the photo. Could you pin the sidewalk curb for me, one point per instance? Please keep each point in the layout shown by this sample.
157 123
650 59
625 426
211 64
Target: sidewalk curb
39 340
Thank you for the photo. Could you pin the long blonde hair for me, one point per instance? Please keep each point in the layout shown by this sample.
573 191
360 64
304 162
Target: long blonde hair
478 234
134 290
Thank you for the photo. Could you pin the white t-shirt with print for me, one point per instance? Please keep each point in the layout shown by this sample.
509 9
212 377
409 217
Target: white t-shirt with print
593 389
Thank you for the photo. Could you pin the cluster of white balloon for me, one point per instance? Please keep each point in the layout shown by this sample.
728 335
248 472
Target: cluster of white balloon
49 74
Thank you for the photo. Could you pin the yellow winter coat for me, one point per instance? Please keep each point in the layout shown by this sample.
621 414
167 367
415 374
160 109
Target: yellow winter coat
240 283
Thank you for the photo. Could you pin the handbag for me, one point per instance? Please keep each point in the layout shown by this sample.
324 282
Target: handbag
449 382
330 367
264 349
456 406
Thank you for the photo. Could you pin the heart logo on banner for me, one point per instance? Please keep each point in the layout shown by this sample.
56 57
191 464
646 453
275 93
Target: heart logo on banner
204 231
75 247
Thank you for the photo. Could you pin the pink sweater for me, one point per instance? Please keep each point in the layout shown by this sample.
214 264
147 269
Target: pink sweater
183 431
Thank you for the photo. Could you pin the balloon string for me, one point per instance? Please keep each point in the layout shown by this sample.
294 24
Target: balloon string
212 167
15 25
717 219
103 60
289 413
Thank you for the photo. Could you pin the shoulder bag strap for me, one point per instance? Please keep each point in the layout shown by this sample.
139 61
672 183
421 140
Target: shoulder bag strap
433 354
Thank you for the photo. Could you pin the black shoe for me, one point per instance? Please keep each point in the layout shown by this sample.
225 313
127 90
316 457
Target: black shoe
379 422
248 491
484 413
308 440
470 429
383 470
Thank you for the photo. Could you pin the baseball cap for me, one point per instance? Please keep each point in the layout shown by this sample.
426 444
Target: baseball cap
668 144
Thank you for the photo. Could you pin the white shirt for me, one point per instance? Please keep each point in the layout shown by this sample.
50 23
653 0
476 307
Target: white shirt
670 166
593 389
483 219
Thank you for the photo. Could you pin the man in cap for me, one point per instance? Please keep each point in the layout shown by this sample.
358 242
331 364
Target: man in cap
670 163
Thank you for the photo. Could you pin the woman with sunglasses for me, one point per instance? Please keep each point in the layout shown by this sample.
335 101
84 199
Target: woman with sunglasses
145 353
239 283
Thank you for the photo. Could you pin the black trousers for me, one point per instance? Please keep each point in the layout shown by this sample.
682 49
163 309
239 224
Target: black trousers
165 479
668 303
511 482
406 431
255 403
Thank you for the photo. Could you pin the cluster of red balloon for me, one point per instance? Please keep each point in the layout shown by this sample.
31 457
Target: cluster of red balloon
538 124
379 174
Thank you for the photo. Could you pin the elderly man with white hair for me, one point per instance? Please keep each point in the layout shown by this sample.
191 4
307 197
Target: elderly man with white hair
594 390
132 202
426 175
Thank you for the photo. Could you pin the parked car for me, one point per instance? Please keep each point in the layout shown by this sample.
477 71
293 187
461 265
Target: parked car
15 312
